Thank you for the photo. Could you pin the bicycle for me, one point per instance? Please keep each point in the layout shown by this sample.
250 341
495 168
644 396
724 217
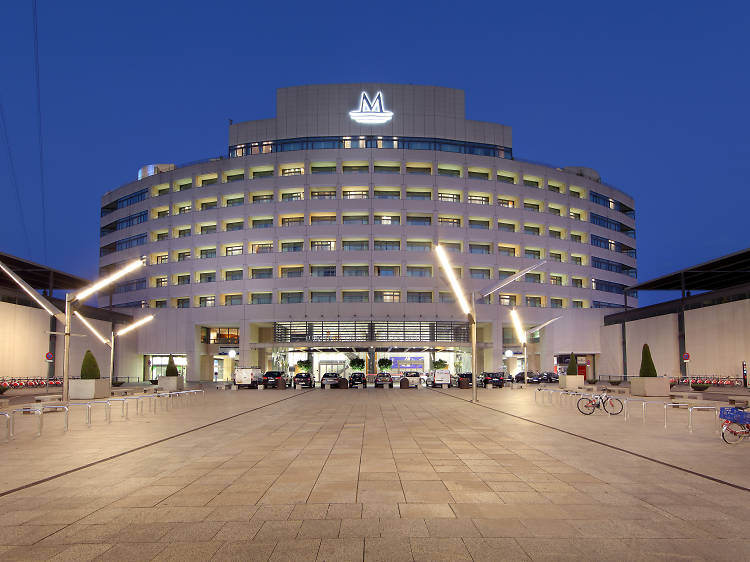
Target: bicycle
736 424
611 405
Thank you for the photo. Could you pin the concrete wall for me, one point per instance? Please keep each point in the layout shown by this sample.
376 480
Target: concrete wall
660 333
718 338
610 360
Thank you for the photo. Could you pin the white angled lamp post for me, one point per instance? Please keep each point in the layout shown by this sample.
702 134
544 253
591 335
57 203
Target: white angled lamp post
129 328
523 336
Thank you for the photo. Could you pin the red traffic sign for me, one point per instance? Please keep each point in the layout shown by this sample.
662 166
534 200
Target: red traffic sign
686 356
49 356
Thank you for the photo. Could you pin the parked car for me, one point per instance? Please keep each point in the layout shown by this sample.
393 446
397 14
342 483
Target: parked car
271 378
304 379
329 378
414 378
529 375
458 376
383 379
549 376
495 379
247 377
438 378
509 379
357 378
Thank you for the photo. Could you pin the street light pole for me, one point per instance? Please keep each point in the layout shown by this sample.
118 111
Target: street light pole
66 348
111 358
473 335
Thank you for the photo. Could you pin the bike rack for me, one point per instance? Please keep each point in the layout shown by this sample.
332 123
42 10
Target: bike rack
58 407
704 408
123 408
138 405
88 410
7 425
35 411
668 405
107 409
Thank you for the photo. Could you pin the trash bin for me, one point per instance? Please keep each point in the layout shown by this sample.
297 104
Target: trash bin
280 383
404 383
463 383
343 383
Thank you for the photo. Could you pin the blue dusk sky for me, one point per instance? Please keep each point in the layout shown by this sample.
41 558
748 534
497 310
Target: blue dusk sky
653 95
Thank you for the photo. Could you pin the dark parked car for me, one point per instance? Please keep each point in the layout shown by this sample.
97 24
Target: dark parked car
531 377
509 378
357 378
271 378
383 379
329 378
495 379
549 376
303 379
466 376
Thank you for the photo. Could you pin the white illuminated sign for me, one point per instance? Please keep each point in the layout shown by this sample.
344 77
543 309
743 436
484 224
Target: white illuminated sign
371 112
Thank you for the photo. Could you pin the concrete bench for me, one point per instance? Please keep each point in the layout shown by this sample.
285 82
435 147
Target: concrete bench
48 398
739 400
223 385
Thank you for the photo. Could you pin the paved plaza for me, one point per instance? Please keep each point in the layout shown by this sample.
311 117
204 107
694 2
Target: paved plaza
373 474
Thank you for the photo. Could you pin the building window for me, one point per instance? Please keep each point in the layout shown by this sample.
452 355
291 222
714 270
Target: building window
232 226
449 197
382 169
325 219
322 169
291 272
504 273
356 271
533 278
506 203
478 199
232 300
207 277
162 259
260 298
183 279
506 251
576 238
233 251
446 297
295 196
322 245
418 221
449 172
532 230
364 169
577 304
447 221
293 221
184 209
530 183
479 175
262 199
208 229
387 296
208 253
162 236
506 227
206 302
162 214
577 282
418 246
418 195
555 256
531 207
183 233
480 224
323 270
555 211
291 172
354 296
419 170
387 194
267 248
322 296
388 219
555 280
291 246
235 201
419 296
535 302
208 205
183 303
577 260
555 234
355 245
358 194
556 303
532 254
291 298
355 219
387 271
183 256
160 282
477 273
418 271
453 247
262 223
160 303
328 194
506 300
479 248
235 275
387 245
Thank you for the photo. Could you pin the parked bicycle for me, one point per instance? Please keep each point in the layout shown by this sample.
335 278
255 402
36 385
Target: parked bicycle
611 405
736 424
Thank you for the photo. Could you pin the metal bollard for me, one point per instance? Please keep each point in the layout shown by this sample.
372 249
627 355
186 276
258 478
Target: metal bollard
87 405
35 411
7 425
58 407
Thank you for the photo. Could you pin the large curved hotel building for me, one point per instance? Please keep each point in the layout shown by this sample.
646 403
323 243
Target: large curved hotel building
315 234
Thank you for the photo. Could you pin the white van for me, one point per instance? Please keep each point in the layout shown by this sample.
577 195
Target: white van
247 376
441 377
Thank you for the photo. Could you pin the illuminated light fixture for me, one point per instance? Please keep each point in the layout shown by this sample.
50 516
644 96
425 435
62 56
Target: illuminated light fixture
520 332
132 266
446 264
46 305
91 328
509 353
134 325
371 112
232 354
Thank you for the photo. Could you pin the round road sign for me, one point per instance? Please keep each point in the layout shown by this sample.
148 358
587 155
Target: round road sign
49 356
686 357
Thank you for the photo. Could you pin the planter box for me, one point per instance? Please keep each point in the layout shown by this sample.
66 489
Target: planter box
88 389
649 386
172 384
571 382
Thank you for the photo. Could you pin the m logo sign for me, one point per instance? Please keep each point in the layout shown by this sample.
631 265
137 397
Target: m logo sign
371 112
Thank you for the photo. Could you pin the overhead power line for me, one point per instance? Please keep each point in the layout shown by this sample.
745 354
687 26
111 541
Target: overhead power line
13 179
39 131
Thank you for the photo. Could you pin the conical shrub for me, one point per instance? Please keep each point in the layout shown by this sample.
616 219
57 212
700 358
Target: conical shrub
89 366
572 365
171 367
647 363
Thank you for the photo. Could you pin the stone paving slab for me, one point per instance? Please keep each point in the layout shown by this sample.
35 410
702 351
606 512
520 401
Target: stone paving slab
370 475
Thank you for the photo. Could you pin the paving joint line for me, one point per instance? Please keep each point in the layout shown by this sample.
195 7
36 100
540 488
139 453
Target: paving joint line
141 447
589 439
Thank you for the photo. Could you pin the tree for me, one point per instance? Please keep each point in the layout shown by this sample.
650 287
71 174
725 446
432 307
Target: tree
89 366
171 367
304 365
439 364
647 363
384 364
572 365
357 364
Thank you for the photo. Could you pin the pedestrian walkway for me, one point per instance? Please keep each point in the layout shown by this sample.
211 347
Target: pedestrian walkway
361 475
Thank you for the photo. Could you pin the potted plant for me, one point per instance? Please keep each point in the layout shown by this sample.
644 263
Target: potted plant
171 381
648 383
571 379
384 364
90 385
699 387
304 365
438 364
357 364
